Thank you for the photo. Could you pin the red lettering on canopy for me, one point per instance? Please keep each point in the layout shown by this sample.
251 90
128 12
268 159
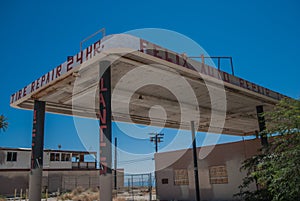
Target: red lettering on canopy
52 75
88 52
97 46
32 87
79 57
24 91
247 85
267 92
12 98
167 57
57 70
37 84
19 94
155 53
43 80
70 62
225 77
143 45
254 87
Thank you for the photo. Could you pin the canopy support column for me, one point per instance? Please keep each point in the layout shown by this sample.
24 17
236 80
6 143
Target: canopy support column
36 172
195 157
261 124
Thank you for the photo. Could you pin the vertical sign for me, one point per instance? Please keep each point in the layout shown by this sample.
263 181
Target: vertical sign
105 118
38 134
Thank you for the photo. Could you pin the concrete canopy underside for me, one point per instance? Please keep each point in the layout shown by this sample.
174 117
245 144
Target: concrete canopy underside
75 93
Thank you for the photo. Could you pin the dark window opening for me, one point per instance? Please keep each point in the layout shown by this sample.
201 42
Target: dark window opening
11 156
54 157
164 181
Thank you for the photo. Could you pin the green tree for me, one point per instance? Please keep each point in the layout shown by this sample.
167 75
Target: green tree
275 171
3 123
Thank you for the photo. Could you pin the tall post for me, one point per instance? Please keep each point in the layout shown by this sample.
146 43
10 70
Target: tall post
36 172
262 125
197 187
115 179
156 144
150 186
105 131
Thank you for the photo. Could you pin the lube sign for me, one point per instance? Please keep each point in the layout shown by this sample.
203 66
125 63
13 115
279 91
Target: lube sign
181 60
105 118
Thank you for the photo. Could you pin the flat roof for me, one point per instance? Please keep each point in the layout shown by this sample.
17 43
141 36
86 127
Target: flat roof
48 150
70 88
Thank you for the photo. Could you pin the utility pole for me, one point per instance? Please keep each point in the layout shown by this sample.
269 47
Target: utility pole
156 138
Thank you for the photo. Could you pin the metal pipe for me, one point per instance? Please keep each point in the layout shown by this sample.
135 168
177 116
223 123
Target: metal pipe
91 36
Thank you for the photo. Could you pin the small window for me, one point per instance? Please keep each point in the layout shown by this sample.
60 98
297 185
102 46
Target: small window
218 174
65 157
181 177
11 156
164 181
54 157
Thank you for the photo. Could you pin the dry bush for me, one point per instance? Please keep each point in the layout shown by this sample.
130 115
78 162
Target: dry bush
2 199
119 199
80 194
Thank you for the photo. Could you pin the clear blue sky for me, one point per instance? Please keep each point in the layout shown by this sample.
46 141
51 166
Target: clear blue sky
261 36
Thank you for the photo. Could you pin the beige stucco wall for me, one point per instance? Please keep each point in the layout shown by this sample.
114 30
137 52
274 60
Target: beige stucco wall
231 155
53 180
23 160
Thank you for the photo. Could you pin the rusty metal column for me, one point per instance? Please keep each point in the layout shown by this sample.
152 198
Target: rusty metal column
261 124
36 172
195 157
105 131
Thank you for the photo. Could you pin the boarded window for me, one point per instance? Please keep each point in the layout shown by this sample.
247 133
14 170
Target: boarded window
11 156
218 174
181 177
54 157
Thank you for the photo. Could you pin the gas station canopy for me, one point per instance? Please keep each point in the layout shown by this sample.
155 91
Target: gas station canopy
71 87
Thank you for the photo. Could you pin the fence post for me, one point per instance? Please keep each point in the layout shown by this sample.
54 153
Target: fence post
26 194
21 192
46 194
132 187
150 187
15 195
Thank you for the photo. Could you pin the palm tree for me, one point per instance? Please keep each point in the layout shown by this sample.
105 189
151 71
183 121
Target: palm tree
3 123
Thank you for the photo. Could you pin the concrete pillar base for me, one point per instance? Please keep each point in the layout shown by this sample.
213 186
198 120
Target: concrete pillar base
106 187
35 183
